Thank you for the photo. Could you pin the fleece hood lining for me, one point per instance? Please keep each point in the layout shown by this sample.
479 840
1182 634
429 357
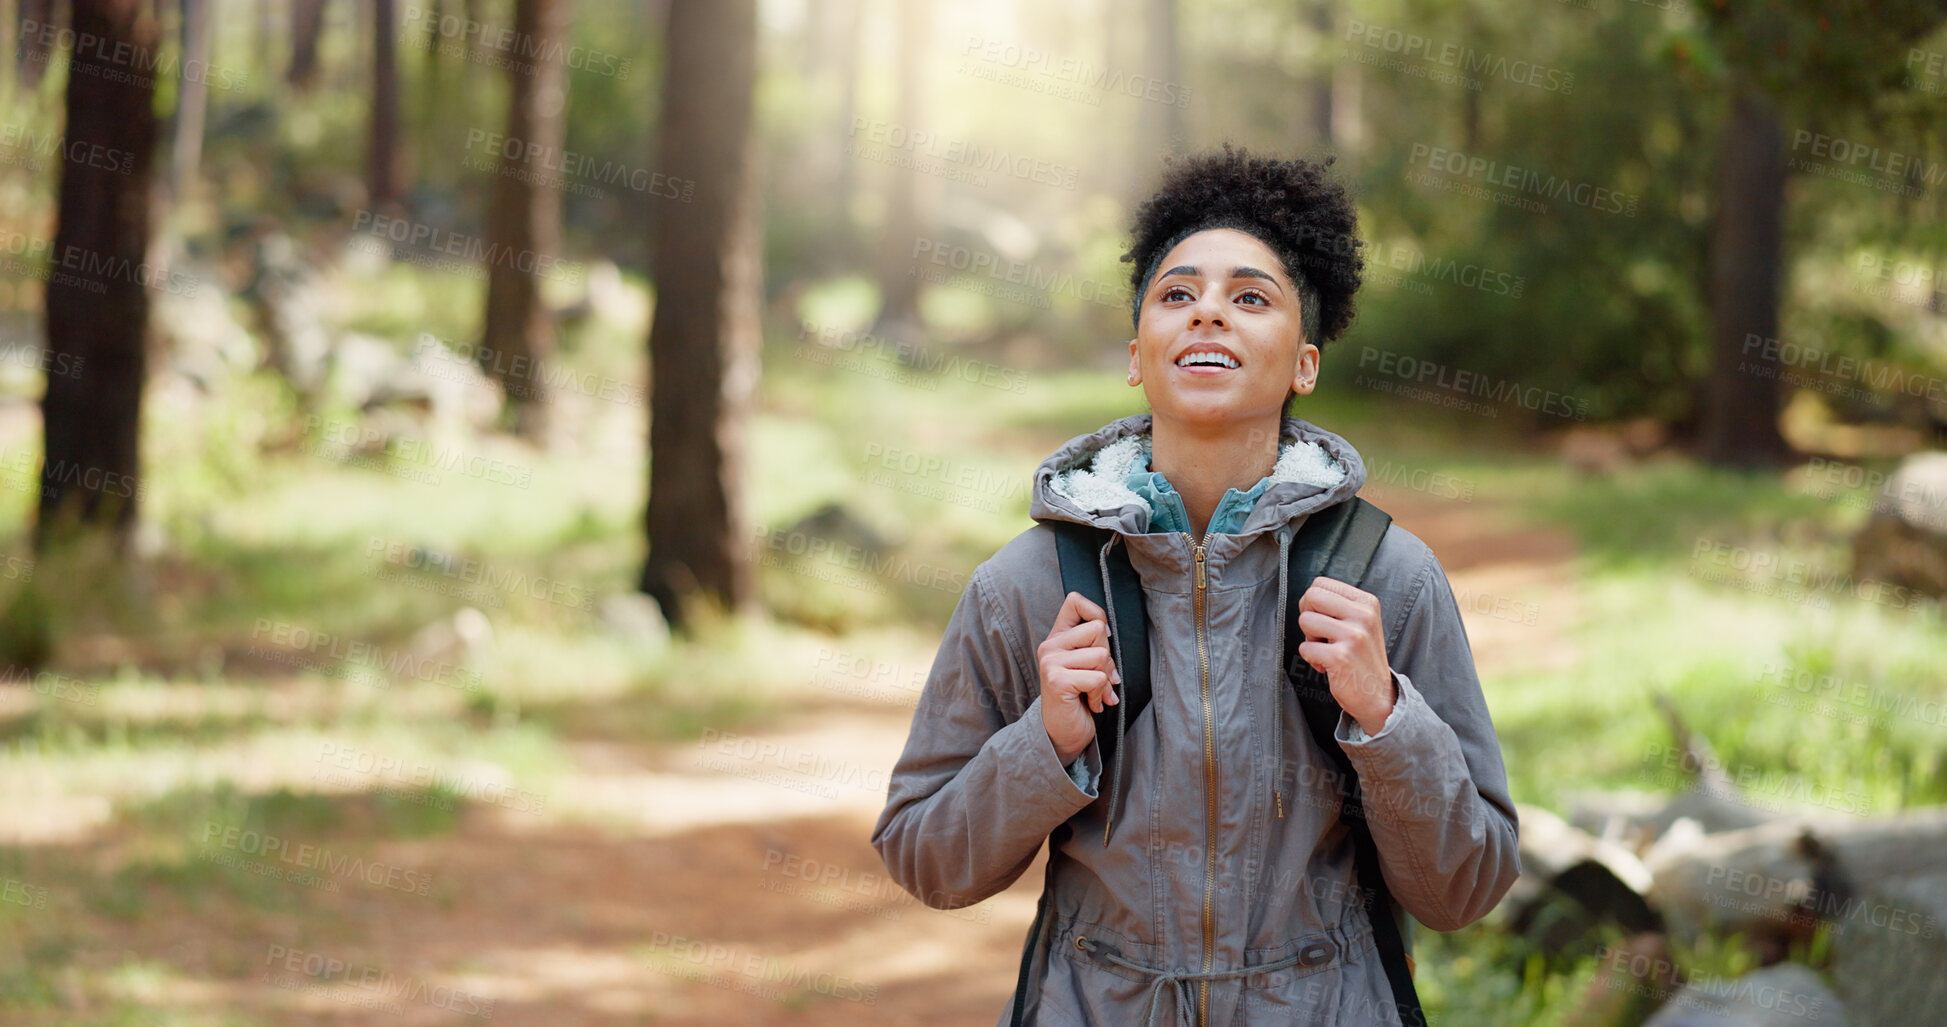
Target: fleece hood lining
1102 484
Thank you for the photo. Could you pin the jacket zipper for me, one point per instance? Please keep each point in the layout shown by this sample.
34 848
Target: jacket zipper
1210 793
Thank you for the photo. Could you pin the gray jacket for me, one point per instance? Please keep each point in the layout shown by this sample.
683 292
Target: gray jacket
1226 851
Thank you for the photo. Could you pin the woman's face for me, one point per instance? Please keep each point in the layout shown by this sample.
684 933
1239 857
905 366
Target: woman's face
1217 340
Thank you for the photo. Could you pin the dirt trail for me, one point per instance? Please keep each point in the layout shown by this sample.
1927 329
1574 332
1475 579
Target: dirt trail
729 881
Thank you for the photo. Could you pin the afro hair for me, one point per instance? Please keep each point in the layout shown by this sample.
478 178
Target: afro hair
1292 206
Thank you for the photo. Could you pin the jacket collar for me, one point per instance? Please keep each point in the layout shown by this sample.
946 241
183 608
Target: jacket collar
1085 480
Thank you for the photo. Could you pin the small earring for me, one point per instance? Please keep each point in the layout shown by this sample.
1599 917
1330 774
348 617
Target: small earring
1132 379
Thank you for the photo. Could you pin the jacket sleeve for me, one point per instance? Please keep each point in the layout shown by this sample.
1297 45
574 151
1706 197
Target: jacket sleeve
975 792
1432 780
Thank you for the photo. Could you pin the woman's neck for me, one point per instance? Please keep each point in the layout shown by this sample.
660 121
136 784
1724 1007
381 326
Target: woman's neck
1203 465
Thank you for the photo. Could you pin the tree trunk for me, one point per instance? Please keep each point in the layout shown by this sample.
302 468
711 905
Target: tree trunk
899 321
97 304
1740 401
1162 123
846 182
32 56
704 336
526 219
307 24
382 148
192 96
1320 15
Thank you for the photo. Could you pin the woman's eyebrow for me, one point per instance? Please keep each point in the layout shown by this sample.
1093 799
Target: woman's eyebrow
1236 272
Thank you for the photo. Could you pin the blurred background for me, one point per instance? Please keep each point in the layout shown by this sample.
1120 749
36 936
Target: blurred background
481 481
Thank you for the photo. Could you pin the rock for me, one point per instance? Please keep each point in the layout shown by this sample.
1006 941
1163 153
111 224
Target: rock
1605 881
1778 882
457 640
1890 959
634 617
1904 542
1781 995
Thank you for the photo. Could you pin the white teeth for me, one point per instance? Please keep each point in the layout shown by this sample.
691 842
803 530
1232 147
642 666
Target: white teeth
1210 357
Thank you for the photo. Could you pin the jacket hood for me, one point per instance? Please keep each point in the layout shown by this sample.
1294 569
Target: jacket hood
1085 481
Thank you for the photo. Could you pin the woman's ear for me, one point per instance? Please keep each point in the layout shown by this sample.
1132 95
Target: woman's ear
1305 376
1135 365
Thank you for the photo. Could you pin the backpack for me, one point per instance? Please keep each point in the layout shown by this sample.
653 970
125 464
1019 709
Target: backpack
1337 542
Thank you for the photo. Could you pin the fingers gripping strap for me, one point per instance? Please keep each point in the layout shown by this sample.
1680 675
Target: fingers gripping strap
1078 549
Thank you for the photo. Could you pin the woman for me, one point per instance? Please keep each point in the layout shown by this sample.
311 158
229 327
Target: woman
1213 880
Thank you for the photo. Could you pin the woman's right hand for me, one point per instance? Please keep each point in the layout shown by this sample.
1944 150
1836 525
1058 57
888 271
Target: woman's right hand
1078 676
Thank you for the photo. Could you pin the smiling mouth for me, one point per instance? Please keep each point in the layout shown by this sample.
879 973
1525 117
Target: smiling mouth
1207 358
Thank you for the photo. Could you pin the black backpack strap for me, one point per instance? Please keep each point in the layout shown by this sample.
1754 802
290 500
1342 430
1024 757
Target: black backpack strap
1035 932
1339 542
1079 547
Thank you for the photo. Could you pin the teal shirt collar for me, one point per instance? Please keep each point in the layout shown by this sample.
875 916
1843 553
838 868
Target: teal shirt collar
1166 511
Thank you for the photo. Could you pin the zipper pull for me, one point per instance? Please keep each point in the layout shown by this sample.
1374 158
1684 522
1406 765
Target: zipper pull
1200 581
1279 794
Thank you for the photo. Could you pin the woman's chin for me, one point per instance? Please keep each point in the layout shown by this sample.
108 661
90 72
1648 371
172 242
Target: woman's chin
1215 414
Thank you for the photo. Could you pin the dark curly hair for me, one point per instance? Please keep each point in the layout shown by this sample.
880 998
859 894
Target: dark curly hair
1292 206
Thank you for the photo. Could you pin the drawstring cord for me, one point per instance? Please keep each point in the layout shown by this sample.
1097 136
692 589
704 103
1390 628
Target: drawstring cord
1309 955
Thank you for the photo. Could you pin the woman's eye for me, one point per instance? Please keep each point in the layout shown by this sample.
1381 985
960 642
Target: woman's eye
1255 296
1176 292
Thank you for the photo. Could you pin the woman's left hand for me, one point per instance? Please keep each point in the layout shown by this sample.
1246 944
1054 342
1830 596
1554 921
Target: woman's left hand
1345 639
